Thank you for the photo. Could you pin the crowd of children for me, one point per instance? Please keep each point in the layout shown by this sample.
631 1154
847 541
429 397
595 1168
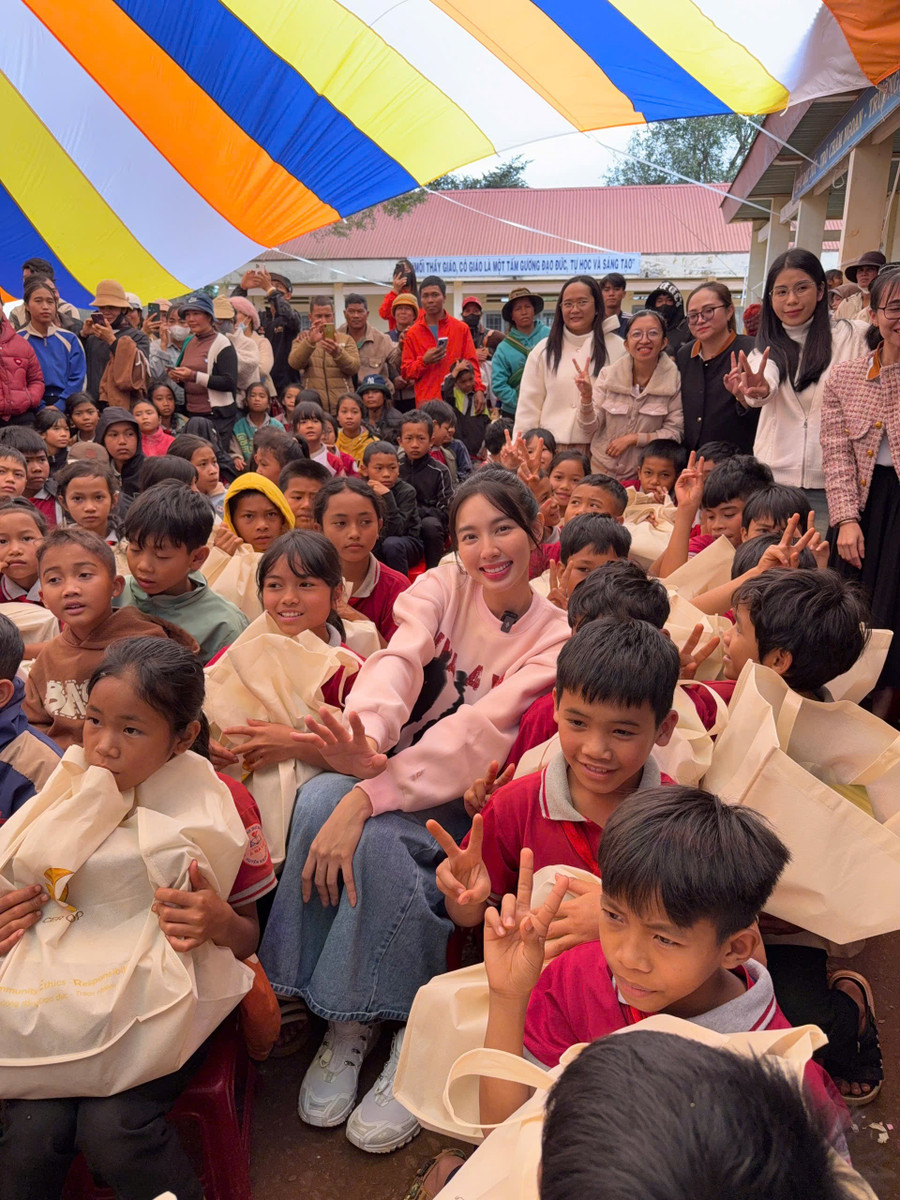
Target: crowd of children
411 621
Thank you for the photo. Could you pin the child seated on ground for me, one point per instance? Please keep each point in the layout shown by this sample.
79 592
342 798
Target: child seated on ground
258 416
167 530
167 468
445 445
79 582
310 422
87 492
144 703
354 435
254 513
13 471
377 400
300 483
119 434
53 427
350 514
660 463
40 489
495 438
567 469
22 529
685 878
400 542
586 542
432 482
599 494
83 416
548 447
154 439
273 449
202 456
27 757
613 703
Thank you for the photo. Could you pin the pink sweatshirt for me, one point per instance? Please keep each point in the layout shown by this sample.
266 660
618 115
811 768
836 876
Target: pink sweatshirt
454 684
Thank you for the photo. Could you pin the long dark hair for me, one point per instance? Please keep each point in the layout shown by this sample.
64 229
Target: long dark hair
555 338
504 491
166 676
885 282
306 553
784 352
404 265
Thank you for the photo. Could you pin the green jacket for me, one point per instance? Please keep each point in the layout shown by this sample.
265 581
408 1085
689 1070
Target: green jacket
211 619
507 364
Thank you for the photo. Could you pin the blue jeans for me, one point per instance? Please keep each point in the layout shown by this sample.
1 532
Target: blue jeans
364 963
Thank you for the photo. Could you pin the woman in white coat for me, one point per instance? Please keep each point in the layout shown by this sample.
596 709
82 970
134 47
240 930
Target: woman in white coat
786 374
548 396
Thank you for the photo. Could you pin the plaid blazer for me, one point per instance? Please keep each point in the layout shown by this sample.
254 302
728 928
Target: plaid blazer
860 405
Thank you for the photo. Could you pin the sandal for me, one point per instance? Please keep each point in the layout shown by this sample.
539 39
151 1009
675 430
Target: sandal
865 1065
294 1029
434 1174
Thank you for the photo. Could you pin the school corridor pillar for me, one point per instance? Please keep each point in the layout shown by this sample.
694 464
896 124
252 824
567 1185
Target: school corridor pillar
779 233
865 198
810 231
756 265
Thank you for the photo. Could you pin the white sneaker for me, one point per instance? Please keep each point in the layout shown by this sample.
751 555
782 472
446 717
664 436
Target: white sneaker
380 1123
328 1090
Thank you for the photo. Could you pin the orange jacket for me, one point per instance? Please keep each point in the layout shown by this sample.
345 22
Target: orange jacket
428 377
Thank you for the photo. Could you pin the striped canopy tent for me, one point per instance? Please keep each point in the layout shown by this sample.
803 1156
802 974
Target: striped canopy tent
164 142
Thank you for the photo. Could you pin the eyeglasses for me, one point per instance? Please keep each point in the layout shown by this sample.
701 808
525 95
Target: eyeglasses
891 311
645 335
704 314
567 305
800 292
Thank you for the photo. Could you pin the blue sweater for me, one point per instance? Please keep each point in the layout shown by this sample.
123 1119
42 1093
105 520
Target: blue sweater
62 362
27 757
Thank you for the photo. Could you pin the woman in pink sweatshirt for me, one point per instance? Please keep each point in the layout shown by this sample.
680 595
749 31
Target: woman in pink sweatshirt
474 646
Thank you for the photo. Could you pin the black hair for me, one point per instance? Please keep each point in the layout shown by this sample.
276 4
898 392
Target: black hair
662 1117
166 675
329 419
284 447
155 384
597 531
557 328
405 266
614 279
258 383
673 452
694 856
74 535
321 301
23 439
307 553
495 435
39 266
77 398
621 590
723 292
84 468
303 468
288 386
166 514
34 282
562 456
13 455
12 648
885 282
346 483
186 445
748 554
735 479
546 436
609 485
165 466
656 315
46 418
416 417
306 410
356 298
784 352
203 427
21 504
504 491
374 448
440 412
613 661
432 281
779 501
357 400
717 452
819 617
307 395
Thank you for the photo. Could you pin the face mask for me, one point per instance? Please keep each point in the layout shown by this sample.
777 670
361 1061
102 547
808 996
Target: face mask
473 320
178 332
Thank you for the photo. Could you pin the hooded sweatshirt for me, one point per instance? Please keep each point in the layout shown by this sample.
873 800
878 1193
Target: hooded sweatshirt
56 688
214 621
252 481
129 470
678 326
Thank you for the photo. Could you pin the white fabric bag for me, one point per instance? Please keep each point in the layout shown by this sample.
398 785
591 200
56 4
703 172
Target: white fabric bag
93 999
709 569
650 525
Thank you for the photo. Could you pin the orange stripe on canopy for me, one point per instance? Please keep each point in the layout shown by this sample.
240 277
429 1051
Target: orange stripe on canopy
872 30
201 142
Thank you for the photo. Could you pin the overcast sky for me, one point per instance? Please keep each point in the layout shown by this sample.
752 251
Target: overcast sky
573 160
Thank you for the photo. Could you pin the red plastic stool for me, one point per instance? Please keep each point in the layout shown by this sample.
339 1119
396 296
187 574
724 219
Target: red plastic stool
417 570
219 1101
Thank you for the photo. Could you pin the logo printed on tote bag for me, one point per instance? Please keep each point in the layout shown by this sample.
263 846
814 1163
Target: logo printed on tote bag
55 876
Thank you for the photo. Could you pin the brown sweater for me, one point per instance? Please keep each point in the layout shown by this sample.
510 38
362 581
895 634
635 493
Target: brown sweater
56 688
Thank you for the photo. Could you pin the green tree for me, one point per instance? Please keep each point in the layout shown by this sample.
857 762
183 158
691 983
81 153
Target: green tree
509 174
708 149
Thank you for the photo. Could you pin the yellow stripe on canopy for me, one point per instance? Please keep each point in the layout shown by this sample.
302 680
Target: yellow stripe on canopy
707 53
67 210
376 88
546 58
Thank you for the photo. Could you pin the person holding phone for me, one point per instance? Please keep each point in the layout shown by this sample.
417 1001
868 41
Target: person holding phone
112 346
279 321
435 341
326 359
404 284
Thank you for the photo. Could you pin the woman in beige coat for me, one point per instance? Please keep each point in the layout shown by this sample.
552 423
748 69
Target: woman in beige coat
634 401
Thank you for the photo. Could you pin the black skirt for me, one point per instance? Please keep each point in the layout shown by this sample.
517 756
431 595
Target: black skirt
880 574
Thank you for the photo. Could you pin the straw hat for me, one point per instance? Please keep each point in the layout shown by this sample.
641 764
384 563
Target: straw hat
110 292
522 293
223 309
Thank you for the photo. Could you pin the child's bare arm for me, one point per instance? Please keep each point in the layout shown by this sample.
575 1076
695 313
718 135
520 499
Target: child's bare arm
688 493
188 919
785 554
19 910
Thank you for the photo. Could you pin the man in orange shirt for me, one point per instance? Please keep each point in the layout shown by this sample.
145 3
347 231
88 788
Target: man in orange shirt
436 339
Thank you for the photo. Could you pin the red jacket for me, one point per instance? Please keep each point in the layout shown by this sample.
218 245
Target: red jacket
428 377
21 379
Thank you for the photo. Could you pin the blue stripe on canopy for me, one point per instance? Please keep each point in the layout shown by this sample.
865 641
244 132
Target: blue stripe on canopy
22 241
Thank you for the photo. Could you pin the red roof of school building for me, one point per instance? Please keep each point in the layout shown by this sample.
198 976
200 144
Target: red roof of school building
678 218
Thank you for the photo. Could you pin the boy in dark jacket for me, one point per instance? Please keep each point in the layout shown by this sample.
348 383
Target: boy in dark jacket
400 545
27 758
431 479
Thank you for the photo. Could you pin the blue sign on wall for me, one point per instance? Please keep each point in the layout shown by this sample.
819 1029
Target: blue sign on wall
481 266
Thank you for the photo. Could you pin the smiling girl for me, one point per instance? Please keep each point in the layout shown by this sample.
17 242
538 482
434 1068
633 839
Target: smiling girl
474 646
